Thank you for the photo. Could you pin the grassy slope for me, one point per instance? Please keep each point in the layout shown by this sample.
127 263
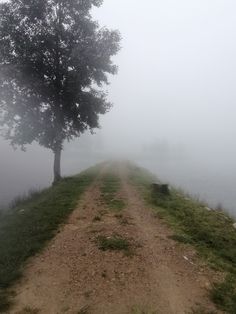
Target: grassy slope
25 229
211 233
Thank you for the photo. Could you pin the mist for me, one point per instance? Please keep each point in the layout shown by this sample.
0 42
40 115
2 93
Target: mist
174 103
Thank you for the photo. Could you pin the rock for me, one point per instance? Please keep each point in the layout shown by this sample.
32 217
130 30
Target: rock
234 225
208 208
158 188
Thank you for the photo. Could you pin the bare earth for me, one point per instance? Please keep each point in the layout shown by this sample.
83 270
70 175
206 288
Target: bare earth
73 276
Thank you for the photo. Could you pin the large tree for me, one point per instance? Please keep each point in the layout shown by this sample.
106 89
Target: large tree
54 63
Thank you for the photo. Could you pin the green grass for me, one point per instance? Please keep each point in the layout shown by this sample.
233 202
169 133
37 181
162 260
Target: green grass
26 228
211 232
224 294
110 187
113 243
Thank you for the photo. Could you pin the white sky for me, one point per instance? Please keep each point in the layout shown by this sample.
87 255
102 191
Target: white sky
177 70
176 85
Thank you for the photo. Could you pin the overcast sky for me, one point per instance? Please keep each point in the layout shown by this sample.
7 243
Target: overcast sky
177 71
176 88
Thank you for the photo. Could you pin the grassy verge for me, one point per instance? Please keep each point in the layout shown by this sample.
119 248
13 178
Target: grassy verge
26 228
110 187
211 232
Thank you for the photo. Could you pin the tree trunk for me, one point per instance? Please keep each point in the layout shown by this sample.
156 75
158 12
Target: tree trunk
57 165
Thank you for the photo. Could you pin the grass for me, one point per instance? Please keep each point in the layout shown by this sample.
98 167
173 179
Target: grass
113 243
211 232
110 187
224 294
26 228
20 200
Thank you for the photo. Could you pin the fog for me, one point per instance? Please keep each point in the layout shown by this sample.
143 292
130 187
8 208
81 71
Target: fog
174 102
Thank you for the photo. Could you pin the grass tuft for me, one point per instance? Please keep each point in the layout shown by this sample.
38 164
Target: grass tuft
113 243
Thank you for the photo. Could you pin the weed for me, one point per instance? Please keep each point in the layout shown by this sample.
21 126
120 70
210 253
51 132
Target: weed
22 199
117 205
181 238
97 218
114 242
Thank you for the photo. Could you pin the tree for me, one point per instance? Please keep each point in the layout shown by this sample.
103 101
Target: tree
54 63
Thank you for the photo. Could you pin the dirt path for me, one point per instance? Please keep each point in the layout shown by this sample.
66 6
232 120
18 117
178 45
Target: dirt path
73 276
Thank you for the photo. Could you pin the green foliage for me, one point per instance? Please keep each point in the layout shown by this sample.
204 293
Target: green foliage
54 60
224 294
25 229
114 243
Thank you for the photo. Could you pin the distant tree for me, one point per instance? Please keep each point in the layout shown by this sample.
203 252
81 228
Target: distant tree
54 62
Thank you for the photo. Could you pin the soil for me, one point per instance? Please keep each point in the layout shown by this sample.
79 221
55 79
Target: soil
72 275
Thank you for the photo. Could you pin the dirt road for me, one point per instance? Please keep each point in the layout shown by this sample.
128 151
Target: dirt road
72 275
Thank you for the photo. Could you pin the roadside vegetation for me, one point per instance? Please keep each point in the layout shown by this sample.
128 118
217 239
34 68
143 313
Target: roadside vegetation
113 243
110 187
27 227
211 232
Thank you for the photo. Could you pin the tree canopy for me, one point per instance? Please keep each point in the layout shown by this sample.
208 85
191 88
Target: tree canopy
54 63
